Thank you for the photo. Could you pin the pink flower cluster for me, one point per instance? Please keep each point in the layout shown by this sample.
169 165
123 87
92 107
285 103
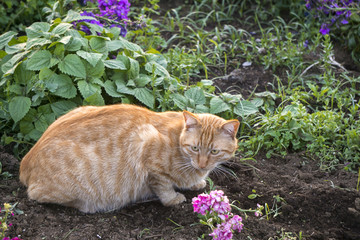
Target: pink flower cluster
15 238
217 204
213 202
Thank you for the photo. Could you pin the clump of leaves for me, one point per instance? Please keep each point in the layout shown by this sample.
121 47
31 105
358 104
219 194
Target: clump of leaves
324 134
55 68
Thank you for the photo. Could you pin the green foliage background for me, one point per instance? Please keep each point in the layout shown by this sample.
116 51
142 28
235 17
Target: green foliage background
310 105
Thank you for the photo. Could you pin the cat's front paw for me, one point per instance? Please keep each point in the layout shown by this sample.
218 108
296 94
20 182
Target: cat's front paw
179 198
199 186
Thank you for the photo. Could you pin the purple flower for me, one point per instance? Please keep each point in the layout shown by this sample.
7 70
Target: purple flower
306 43
215 202
222 232
114 10
236 223
324 29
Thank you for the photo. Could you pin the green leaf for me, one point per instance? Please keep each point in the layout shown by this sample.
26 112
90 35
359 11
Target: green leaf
217 105
196 94
39 60
43 121
61 28
10 66
245 108
90 57
62 86
98 44
26 126
110 88
134 69
94 72
15 48
95 100
142 80
61 107
21 75
18 107
5 38
157 68
115 64
123 44
180 100
145 96
72 65
122 88
36 42
37 29
201 109
87 89
75 16
258 102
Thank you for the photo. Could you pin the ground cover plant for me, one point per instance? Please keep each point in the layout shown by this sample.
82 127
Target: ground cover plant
288 70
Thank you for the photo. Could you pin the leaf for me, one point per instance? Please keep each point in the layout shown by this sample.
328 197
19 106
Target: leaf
26 126
5 38
96 100
115 64
98 44
180 100
145 96
245 108
39 60
72 65
94 72
18 107
43 121
87 89
21 75
217 105
157 68
90 57
61 28
110 88
61 107
36 42
258 102
63 85
75 16
134 70
124 44
9 67
142 80
15 48
196 94
37 29
201 109
122 88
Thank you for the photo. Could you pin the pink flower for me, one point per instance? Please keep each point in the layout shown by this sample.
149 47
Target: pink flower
222 232
236 223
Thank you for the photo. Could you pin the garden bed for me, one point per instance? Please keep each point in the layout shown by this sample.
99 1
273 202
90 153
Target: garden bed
315 204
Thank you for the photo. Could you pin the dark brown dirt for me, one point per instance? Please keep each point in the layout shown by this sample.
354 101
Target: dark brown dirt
317 204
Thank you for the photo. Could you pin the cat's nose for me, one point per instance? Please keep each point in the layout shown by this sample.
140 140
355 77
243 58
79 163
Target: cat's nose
202 162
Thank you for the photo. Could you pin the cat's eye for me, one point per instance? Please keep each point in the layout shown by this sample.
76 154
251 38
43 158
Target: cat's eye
195 148
214 151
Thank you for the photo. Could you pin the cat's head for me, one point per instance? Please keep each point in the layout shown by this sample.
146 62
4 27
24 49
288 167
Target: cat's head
208 139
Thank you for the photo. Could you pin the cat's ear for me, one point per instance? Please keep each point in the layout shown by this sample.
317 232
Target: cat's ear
231 127
190 120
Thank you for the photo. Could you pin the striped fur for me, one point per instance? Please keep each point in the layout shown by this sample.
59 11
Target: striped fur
103 158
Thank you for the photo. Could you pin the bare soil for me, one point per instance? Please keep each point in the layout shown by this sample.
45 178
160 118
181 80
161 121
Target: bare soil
318 204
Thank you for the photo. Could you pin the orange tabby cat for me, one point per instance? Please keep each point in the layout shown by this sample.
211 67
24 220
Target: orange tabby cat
103 158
